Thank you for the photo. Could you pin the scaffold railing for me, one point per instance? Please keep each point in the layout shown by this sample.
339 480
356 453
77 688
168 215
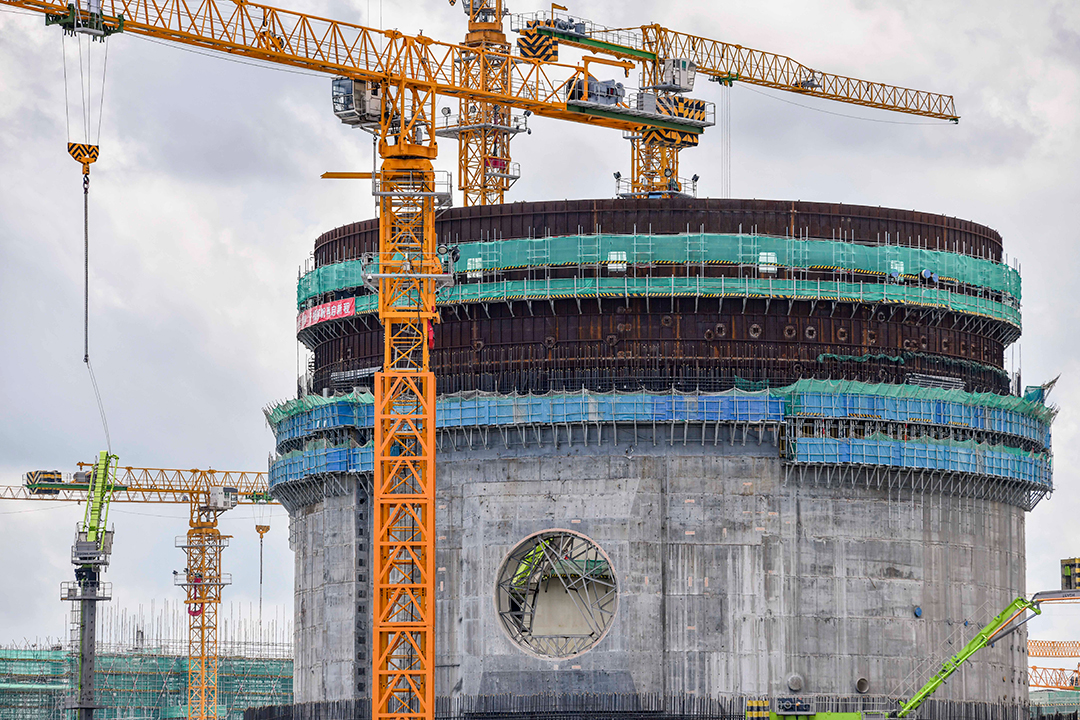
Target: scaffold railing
758 254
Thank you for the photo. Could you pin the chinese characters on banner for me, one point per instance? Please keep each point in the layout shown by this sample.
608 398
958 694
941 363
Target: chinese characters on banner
328 311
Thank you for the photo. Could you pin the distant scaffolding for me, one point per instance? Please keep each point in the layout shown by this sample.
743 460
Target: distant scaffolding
142 666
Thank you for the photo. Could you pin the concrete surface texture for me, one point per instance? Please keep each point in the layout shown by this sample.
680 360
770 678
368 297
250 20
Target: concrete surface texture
730 580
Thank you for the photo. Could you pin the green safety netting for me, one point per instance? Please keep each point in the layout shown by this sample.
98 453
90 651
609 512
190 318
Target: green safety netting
279 411
904 357
860 358
706 248
617 287
1011 403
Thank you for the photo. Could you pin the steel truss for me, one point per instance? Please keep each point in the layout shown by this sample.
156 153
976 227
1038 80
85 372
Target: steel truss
403 637
584 574
202 581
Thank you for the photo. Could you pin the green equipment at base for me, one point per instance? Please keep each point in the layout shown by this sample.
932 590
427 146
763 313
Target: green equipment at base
793 708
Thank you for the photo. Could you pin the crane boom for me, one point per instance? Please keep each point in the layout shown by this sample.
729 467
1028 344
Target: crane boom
1054 678
414 63
728 62
737 63
984 637
654 160
1054 648
146 485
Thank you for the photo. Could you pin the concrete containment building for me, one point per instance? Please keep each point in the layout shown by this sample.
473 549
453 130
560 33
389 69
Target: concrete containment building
688 449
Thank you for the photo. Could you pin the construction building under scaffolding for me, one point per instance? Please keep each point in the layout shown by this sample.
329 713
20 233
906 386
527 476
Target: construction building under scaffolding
688 449
142 669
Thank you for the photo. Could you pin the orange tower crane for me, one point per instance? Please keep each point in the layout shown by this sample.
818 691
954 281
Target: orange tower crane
207 493
483 130
388 83
1054 678
670 62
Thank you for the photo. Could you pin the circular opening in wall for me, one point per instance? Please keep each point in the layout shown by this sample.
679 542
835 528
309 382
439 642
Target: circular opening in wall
790 332
755 331
862 686
556 594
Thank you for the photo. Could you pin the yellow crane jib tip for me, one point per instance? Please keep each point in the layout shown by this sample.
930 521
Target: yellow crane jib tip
83 153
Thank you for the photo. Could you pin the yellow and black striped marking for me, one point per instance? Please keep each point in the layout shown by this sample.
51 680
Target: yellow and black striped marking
669 138
682 107
536 46
757 709
83 153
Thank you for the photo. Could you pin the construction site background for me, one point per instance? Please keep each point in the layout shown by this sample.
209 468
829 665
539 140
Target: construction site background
142 666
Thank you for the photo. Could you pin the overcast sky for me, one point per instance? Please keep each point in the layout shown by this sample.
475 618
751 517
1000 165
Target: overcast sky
207 199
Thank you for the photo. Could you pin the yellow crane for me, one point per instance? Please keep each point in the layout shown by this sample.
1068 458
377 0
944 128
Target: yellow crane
670 62
208 494
388 83
1054 678
483 130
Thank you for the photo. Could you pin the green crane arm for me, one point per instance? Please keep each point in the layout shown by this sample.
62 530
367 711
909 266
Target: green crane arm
97 497
984 638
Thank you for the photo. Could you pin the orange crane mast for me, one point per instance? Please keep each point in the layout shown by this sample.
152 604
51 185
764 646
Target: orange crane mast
388 83
207 493
483 130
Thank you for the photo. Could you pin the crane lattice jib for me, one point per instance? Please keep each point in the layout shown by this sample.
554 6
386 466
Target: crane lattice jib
329 46
737 63
1054 648
728 62
150 485
1054 678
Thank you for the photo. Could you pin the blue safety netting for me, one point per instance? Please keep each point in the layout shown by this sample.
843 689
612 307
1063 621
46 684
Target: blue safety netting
913 404
300 418
966 457
321 460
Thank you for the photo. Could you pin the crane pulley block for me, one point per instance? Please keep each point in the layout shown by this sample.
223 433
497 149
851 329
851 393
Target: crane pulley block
86 21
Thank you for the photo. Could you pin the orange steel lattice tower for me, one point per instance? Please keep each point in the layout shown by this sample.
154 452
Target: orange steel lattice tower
203 580
484 129
403 652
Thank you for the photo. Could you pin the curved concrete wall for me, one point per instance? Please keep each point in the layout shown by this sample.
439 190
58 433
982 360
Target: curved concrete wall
731 579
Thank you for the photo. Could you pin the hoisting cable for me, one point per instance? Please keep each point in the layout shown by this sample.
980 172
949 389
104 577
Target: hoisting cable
86 153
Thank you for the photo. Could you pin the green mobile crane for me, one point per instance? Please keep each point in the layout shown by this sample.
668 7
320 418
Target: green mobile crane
90 555
795 708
